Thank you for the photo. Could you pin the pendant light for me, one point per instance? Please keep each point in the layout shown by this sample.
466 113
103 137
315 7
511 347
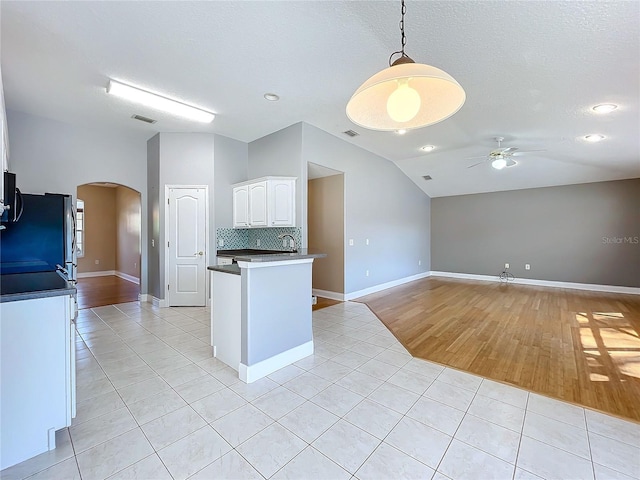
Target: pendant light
407 95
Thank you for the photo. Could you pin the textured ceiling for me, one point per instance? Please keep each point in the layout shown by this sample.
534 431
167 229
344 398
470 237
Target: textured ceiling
531 70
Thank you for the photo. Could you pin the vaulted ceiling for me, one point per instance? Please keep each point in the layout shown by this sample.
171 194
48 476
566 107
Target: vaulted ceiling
532 71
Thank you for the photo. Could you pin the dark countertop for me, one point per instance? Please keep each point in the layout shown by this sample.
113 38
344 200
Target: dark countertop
27 286
233 269
252 255
248 251
280 256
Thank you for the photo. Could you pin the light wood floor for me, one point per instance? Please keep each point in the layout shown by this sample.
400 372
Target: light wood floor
100 291
324 302
578 346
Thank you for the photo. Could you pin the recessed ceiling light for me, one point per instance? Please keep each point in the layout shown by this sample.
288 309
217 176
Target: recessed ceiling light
402 131
427 148
604 108
159 102
272 97
594 137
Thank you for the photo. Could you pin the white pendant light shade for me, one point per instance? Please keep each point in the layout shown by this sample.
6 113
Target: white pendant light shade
405 96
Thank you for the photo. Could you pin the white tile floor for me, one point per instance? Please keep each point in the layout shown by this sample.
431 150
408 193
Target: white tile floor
153 404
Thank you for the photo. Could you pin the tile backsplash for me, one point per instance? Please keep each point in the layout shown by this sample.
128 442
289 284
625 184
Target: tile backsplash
237 238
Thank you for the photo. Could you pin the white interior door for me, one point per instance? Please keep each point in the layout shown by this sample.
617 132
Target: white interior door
187 246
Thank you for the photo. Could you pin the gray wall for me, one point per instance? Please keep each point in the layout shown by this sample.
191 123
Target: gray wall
182 159
280 154
231 164
381 204
51 156
275 326
153 214
573 233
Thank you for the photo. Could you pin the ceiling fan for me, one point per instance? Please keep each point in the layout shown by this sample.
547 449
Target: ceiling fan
501 157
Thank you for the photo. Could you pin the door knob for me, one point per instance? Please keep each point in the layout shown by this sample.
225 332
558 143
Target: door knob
200 253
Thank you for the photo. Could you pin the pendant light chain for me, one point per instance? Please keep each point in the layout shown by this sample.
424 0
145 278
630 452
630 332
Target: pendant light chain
403 38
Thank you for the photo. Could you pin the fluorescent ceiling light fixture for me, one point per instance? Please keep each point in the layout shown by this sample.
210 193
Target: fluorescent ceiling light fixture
594 137
427 148
158 102
272 97
406 95
499 163
604 108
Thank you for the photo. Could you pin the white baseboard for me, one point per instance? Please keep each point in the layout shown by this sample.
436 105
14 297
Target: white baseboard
104 273
110 273
384 286
159 302
328 294
542 283
251 373
127 277
144 297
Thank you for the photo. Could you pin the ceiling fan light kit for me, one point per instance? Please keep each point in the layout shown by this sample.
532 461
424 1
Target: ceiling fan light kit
158 102
405 96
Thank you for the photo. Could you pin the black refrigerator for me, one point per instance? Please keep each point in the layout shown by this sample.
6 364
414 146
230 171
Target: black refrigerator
43 239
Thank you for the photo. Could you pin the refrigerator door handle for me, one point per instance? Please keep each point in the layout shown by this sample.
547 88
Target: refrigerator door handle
19 201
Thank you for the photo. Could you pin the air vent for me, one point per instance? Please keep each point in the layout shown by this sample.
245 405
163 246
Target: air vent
351 133
143 119
427 177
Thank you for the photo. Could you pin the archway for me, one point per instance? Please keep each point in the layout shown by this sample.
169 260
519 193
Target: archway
109 231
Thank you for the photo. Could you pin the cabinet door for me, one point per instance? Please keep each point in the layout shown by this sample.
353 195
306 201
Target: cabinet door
258 204
283 205
241 207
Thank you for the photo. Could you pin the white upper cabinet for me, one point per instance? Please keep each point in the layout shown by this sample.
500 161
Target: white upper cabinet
265 202
241 207
282 193
258 204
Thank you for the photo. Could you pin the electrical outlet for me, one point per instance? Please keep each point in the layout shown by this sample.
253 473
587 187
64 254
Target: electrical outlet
527 266
97 262
258 242
366 242
351 242
366 273
135 264
506 265
153 242
419 262
221 242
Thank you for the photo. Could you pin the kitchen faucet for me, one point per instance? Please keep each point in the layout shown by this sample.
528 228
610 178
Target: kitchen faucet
293 240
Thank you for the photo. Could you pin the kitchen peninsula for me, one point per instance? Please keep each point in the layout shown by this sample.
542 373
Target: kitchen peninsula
261 311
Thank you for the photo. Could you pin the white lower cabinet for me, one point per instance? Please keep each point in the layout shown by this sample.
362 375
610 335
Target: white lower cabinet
37 382
265 202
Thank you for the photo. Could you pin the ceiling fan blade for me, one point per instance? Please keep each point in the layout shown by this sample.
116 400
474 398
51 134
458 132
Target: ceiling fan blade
473 158
476 164
509 150
511 163
517 154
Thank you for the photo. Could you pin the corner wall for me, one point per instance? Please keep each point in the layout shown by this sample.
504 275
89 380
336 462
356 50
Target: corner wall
588 233
381 204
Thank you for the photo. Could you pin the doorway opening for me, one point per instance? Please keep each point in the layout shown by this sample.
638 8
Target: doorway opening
326 227
109 230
